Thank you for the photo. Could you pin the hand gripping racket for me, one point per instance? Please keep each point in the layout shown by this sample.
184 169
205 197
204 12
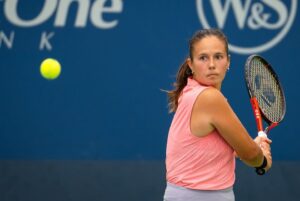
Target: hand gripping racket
266 93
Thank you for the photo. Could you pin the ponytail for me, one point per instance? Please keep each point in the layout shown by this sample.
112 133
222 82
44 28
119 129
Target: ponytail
181 80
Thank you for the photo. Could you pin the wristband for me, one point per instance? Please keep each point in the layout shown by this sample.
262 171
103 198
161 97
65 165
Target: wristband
260 170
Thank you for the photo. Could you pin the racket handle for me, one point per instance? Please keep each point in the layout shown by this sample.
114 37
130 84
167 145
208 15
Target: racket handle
262 134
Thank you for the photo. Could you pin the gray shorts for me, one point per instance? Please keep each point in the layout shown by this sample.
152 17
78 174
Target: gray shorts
178 193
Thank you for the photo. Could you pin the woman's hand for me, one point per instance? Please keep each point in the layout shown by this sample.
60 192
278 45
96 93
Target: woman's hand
265 144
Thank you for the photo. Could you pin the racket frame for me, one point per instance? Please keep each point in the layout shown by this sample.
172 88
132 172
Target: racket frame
258 113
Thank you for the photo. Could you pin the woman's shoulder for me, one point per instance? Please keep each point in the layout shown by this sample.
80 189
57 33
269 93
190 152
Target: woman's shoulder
211 92
211 95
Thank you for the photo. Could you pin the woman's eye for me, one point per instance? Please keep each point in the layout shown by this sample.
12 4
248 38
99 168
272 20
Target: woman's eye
203 58
219 57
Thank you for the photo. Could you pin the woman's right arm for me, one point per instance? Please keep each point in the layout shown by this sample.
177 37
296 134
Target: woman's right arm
213 106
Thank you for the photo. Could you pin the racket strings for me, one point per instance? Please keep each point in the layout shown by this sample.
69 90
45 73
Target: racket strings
267 91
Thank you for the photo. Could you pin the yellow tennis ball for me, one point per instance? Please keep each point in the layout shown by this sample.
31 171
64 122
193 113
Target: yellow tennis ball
50 69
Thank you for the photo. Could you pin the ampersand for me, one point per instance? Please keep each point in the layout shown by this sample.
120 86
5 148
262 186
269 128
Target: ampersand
257 18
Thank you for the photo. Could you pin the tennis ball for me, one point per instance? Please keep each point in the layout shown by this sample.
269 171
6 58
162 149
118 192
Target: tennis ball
50 69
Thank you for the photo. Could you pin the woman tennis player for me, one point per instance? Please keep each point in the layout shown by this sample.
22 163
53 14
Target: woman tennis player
206 135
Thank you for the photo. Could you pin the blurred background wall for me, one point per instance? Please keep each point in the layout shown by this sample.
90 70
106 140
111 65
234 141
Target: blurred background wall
98 131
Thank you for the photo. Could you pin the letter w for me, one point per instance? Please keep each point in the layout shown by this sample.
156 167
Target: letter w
240 11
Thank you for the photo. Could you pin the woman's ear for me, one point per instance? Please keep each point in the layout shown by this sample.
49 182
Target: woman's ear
189 63
229 57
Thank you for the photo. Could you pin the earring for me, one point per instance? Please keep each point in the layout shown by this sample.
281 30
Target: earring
228 69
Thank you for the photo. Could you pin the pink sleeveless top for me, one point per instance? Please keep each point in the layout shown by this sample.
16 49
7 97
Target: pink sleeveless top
203 163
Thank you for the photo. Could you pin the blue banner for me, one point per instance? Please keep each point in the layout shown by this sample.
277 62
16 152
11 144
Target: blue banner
116 56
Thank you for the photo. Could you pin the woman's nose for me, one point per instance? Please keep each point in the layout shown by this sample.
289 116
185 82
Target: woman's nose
211 63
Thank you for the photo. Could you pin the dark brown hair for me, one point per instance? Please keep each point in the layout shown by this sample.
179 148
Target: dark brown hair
184 70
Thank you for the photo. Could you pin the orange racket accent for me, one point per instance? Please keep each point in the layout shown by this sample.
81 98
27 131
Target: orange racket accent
257 114
271 126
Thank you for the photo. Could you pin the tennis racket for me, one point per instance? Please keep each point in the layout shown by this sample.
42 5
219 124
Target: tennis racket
266 94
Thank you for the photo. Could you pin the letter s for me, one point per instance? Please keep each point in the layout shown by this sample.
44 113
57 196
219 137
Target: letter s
281 10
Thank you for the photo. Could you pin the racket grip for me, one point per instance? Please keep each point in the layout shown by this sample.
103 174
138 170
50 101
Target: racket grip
262 134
